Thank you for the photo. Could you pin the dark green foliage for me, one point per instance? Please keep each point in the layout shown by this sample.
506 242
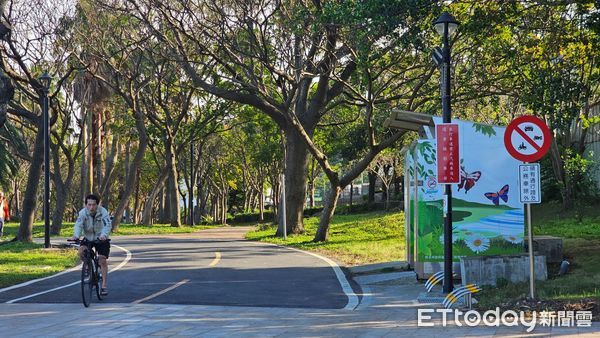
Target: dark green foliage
250 217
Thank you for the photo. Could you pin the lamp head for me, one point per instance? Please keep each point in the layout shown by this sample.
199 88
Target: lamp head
445 20
5 29
7 90
45 80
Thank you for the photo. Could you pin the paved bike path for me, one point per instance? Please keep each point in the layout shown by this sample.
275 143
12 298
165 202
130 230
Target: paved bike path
205 268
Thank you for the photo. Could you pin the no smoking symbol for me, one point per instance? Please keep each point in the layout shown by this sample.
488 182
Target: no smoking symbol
431 182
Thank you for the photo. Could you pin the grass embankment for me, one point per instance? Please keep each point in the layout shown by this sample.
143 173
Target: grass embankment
354 239
20 262
579 289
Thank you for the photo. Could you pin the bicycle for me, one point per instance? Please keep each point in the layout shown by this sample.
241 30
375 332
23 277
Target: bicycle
90 271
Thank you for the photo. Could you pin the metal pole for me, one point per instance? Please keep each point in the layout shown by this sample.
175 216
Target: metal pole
283 212
191 204
446 116
531 257
283 217
46 169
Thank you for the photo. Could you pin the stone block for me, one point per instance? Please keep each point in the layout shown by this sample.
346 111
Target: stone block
549 246
486 270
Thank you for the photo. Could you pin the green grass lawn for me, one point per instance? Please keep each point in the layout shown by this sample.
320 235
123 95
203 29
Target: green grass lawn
25 261
354 239
11 229
581 247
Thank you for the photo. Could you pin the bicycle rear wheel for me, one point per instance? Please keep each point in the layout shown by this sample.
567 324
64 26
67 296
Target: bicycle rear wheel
98 281
87 271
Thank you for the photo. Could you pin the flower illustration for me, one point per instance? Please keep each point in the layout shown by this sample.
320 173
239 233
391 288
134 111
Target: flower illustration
513 239
478 243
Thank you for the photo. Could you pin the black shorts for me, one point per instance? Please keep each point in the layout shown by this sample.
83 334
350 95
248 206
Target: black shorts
102 248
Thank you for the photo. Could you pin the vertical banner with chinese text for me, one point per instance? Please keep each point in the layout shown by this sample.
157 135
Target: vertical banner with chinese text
448 159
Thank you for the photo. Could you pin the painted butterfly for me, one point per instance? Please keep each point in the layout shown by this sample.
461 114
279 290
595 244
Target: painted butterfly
496 196
468 180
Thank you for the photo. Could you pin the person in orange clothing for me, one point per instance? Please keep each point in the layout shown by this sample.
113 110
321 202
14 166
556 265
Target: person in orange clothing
4 212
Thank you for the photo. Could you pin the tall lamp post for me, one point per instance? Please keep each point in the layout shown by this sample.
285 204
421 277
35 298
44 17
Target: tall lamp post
446 25
45 80
7 90
191 203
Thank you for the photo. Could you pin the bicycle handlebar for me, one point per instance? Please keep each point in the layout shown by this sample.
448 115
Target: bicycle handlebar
85 240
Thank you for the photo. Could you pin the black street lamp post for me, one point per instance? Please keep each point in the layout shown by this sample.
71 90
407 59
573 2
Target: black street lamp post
191 203
446 25
7 90
45 80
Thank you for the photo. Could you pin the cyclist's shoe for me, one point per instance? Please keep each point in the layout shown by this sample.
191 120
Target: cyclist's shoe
104 292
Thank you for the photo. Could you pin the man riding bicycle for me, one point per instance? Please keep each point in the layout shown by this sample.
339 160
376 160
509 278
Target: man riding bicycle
95 223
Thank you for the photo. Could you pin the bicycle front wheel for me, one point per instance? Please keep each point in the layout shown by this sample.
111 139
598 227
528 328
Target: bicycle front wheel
87 271
98 282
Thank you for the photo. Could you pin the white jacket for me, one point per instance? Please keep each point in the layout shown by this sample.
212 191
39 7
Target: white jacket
92 227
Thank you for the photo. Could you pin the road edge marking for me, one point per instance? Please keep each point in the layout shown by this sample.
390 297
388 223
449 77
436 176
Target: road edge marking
216 260
154 295
344 283
125 261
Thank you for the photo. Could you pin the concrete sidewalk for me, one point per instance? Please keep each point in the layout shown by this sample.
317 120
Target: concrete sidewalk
386 311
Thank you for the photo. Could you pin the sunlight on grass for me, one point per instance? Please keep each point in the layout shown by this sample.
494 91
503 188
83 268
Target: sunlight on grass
354 239
580 282
11 229
26 261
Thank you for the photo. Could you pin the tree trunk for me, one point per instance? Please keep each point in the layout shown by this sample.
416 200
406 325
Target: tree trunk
566 190
351 194
397 181
16 198
59 209
149 205
201 200
311 189
372 181
108 171
387 197
62 191
136 204
261 201
163 204
328 211
33 180
83 184
174 213
215 208
296 168
90 152
224 209
131 179
97 149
